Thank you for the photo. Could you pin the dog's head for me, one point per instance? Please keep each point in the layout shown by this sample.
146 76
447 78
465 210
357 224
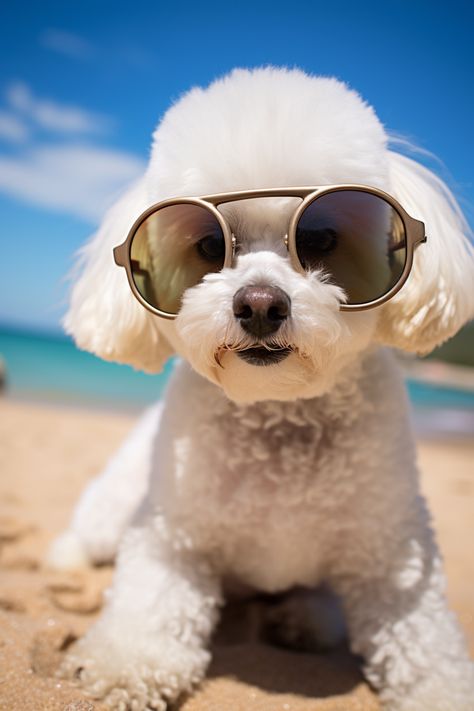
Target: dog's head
263 129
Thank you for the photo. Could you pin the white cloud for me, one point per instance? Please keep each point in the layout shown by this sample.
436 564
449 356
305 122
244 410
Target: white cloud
80 180
72 177
54 116
66 43
12 129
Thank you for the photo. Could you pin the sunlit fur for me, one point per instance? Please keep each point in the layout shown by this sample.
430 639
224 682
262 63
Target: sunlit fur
288 474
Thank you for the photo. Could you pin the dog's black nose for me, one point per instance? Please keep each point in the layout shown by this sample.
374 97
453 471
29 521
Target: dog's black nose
261 309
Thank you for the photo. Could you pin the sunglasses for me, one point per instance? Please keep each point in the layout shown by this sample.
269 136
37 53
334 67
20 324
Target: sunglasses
360 238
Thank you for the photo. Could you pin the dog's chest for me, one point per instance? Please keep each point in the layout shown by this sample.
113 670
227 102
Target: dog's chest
256 487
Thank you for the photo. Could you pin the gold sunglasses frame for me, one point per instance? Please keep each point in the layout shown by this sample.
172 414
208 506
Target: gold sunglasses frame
414 232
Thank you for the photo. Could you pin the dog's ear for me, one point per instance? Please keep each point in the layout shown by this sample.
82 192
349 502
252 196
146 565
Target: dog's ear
104 317
438 297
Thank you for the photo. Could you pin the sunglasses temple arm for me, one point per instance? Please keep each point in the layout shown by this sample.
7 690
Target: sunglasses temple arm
120 255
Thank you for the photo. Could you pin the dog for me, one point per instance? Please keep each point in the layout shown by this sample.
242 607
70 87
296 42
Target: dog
282 457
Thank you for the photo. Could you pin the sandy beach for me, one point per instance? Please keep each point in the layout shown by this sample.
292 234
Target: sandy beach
47 453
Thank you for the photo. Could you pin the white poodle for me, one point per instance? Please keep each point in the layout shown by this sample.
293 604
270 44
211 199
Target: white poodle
282 457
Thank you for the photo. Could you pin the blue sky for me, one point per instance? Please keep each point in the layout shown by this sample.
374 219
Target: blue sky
82 85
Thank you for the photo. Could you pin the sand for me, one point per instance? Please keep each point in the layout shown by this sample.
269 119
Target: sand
47 454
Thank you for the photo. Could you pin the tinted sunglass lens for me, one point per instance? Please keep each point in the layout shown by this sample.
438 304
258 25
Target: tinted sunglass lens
357 239
172 250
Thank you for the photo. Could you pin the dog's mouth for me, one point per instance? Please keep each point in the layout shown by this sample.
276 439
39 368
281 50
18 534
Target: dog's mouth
259 355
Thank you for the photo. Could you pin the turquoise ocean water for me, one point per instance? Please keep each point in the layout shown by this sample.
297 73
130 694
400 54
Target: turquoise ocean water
51 368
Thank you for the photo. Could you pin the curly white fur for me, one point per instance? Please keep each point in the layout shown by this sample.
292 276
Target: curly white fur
266 478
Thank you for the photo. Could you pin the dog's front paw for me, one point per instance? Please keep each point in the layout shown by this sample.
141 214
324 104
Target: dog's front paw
134 674
452 689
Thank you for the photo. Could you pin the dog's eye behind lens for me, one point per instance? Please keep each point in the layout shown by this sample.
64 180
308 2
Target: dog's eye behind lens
314 244
211 247
173 249
358 240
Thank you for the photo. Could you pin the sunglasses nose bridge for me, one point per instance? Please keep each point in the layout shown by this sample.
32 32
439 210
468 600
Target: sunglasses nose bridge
233 243
230 253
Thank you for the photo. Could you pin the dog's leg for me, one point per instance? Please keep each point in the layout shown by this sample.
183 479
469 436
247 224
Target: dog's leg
304 620
392 586
109 502
149 645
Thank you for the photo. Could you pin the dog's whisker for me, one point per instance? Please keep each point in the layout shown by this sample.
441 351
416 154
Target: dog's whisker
217 358
267 346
